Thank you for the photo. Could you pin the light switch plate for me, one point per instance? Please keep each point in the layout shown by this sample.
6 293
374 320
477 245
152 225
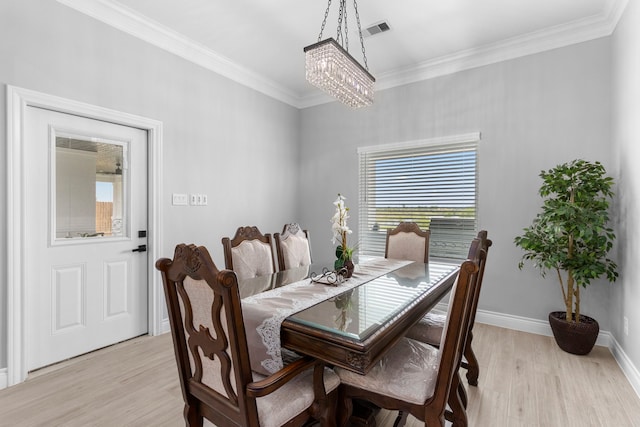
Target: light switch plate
180 199
198 199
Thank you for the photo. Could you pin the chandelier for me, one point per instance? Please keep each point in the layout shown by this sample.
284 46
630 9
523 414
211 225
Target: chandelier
330 67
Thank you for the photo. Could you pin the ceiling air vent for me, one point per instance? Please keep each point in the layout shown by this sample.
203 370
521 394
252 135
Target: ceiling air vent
374 29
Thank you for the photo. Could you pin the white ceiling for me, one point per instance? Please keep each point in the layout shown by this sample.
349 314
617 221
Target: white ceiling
260 43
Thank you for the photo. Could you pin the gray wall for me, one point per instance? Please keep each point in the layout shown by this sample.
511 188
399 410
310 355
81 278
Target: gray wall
220 138
625 295
533 113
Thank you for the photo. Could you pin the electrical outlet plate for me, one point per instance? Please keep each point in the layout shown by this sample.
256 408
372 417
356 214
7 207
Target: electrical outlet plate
626 325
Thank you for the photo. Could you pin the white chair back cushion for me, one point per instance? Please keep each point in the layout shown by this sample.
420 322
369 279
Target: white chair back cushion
295 251
252 258
201 298
408 246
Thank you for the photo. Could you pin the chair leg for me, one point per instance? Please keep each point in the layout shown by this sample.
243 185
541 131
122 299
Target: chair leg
401 419
473 369
433 419
462 394
455 403
191 416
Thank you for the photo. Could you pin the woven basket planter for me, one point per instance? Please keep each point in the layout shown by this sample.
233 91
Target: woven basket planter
574 337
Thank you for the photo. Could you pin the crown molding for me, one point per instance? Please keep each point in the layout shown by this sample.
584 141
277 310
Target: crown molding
118 16
574 32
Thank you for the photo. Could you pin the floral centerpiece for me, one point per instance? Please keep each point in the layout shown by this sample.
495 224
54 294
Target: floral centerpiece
344 253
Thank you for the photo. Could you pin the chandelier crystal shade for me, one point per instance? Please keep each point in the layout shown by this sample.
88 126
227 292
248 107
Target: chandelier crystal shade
330 67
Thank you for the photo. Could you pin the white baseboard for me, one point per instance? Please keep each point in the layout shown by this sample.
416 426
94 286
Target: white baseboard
541 327
526 324
628 368
3 378
165 326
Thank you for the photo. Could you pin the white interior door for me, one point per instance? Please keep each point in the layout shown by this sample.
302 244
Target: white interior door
85 196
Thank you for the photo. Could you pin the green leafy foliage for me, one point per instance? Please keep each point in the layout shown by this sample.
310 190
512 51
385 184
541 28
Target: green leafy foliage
343 256
571 233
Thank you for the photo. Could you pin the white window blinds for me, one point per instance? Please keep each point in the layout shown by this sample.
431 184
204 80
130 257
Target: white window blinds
433 183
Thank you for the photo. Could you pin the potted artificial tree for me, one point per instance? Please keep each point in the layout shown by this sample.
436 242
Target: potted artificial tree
571 236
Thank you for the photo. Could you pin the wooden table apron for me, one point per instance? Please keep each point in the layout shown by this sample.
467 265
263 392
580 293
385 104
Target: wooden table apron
361 356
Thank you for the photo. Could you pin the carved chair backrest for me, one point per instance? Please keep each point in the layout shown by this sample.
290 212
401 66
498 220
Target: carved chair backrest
208 338
407 241
292 247
249 253
456 327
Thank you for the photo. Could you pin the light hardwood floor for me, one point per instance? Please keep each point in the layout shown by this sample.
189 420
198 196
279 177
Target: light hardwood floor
525 380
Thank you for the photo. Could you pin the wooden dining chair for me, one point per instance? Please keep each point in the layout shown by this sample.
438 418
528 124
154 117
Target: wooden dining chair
407 241
211 351
416 378
429 328
292 247
249 253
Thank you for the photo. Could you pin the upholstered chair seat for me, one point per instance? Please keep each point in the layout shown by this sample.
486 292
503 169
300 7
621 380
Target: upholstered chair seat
407 372
297 394
429 328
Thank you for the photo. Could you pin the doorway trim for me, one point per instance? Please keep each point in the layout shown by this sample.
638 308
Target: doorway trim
18 99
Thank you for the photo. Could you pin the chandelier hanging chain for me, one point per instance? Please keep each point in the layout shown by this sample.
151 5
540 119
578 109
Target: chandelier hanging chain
339 36
342 17
364 55
324 21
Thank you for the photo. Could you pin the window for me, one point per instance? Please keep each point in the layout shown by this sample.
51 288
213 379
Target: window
433 183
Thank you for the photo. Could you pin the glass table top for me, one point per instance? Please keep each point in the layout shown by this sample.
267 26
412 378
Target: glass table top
359 312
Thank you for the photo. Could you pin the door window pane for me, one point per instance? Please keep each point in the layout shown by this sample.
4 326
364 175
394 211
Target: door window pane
89 196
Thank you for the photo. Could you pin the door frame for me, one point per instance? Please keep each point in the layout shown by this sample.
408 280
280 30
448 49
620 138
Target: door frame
18 99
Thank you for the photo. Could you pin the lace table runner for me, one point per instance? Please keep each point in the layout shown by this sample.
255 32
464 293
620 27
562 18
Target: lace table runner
264 312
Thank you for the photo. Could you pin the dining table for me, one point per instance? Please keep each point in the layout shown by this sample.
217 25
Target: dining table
349 323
